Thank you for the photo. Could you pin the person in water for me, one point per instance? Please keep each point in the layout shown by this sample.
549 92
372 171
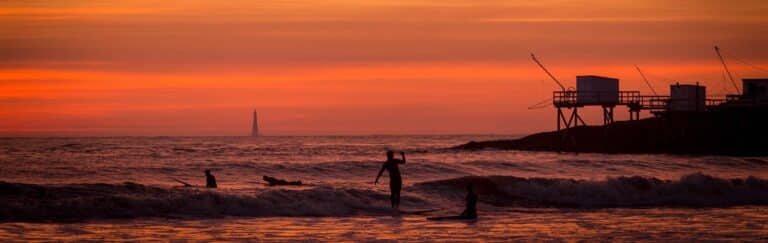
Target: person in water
280 182
395 181
210 180
470 211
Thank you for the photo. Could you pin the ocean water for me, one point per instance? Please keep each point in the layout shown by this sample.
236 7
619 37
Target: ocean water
125 188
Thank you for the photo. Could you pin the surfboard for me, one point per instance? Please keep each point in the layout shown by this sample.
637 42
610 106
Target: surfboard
182 182
273 185
459 218
421 211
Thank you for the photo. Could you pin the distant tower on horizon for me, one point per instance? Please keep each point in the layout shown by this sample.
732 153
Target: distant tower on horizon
255 129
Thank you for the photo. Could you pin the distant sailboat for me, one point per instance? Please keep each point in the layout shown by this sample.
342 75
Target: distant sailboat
255 129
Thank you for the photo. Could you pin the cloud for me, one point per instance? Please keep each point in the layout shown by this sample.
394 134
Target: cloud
657 19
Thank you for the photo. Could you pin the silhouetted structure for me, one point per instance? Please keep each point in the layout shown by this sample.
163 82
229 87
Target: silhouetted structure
755 90
255 128
279 182
395 181
684 122
210 180
591 90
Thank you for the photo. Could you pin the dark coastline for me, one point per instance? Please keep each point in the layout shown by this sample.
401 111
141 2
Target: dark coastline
731 132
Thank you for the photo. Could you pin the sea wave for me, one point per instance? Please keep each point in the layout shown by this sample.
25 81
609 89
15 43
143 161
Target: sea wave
693 190
27 202
30 202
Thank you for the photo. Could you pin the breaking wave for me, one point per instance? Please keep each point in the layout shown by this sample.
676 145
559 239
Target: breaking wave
29 202
26 202
694 190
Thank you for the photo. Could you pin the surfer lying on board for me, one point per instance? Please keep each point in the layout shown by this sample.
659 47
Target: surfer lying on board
279 182
395 181
210 180
470 210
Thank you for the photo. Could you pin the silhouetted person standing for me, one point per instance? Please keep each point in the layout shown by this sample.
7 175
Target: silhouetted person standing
210 180
470 211
395 181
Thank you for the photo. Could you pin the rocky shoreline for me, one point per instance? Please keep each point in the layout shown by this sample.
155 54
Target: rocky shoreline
732 132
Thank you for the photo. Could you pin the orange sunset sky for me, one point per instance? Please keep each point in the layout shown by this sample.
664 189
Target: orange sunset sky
104 68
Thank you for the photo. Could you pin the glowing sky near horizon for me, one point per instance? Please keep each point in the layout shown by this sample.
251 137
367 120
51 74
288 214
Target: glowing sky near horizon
101 68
